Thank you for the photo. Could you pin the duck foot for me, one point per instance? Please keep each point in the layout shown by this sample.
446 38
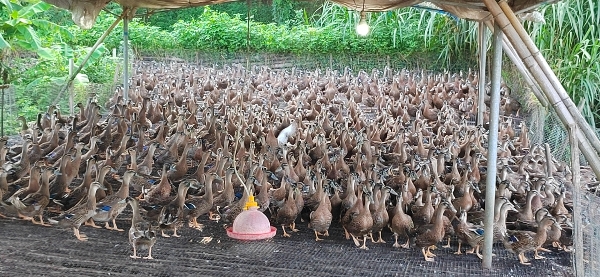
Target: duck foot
107 227
91 223
317 236
164 235
364 246
285 234
427 258
523 260
428 252
396 244
380 238
79 236
25 217
406 245
356 242
544 249
149 257
459 252
41 222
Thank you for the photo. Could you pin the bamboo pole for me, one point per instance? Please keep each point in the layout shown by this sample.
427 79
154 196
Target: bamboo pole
126 56
492 158
577 213
542 79
87 57
514 57
553 80
481 86
71 89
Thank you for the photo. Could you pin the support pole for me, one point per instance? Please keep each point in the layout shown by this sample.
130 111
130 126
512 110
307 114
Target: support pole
248 37
514 57
126 56
2 111
492 158
482 56
71 90
577 222
87 57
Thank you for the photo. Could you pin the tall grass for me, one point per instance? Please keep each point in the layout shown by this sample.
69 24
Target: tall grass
570 41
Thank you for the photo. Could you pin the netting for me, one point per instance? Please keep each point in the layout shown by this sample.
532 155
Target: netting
546 127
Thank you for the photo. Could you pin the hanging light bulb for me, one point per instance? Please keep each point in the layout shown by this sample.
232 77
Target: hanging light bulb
362 28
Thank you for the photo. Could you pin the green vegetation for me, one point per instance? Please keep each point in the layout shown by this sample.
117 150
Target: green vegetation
410 37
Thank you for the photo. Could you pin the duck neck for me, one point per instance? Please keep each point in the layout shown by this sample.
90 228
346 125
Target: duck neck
180 198
123 191
91 201
208 191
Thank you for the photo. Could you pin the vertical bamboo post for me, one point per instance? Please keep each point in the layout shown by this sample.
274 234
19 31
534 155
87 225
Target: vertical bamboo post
71 90
125 56
248 36
481 86
492 158
2 111
576 175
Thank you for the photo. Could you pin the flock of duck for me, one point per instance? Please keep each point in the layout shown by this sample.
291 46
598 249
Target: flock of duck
367 151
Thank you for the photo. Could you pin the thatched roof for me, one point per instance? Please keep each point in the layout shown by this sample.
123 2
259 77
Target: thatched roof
85 11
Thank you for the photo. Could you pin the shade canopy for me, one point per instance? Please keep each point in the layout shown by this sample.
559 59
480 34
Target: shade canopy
85 11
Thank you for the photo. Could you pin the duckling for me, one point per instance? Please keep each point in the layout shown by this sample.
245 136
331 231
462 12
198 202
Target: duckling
520 242
80 213
142 235
113 205
320 219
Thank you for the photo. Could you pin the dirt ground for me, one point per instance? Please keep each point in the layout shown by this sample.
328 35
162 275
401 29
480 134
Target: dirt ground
28 250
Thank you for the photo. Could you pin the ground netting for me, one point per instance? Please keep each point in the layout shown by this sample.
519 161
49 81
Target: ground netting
49 251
